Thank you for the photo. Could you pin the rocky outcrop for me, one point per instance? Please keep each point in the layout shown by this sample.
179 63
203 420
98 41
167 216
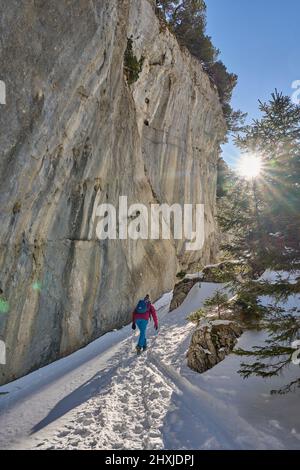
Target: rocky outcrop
181 291
75 134
222 272
211 342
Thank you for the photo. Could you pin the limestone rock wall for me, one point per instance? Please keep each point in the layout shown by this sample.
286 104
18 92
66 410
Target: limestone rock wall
73 135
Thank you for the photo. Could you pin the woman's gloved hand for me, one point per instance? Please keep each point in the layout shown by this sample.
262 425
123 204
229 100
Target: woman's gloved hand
133 326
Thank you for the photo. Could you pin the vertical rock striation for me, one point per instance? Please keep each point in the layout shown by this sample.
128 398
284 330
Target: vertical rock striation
74 134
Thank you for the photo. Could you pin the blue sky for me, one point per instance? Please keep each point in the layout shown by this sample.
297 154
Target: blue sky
260 42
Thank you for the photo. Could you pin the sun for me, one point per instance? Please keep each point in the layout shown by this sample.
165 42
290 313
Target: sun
249 166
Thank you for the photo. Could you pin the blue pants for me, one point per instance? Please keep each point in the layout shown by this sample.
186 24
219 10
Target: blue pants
142 326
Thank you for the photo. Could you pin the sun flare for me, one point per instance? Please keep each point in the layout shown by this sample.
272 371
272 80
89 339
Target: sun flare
249 166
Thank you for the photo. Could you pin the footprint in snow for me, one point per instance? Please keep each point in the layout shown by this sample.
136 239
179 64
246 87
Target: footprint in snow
63 434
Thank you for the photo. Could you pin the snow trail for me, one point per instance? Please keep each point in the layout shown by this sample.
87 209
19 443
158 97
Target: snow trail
107 397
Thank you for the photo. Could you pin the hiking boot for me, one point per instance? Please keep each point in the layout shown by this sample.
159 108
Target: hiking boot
138 349
145 348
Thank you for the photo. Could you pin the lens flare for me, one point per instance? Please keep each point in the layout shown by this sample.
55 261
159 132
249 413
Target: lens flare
37 285
4 306
249 166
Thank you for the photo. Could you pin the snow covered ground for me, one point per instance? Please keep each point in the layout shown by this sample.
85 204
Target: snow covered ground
105 397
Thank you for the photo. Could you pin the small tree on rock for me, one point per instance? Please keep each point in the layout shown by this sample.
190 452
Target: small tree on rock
219 300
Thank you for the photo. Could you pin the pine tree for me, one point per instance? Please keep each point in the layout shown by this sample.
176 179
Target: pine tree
187 20
263 220
219 300
276 138
238 219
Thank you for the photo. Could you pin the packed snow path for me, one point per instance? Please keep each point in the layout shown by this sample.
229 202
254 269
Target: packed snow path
107 397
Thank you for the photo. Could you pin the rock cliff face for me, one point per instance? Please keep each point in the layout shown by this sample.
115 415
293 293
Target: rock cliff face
74 134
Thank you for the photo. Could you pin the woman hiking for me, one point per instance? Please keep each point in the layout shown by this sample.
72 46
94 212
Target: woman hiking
140 318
